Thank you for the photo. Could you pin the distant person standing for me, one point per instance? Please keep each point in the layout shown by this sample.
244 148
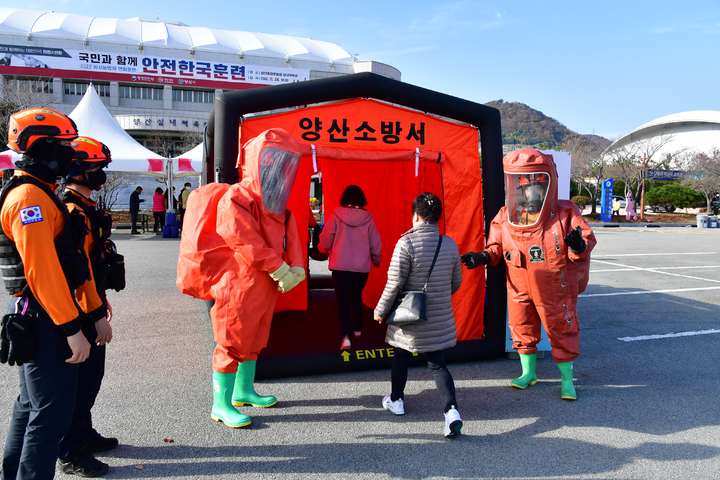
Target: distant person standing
629 207
135 202
158 210
715 204
616 207
182 202
170 199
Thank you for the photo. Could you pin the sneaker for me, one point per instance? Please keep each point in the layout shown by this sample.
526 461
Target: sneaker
358 334
453 423
395 407
101 444
345 345
84 465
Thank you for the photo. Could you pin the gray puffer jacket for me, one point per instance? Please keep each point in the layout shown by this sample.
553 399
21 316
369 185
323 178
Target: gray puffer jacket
409 268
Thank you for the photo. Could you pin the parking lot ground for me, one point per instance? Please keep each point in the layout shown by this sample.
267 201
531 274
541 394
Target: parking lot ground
647 383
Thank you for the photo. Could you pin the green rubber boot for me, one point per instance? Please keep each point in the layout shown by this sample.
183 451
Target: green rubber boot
244 393
528 377
222 410
567 389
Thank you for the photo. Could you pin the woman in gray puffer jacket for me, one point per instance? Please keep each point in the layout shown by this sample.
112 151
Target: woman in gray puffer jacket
409 268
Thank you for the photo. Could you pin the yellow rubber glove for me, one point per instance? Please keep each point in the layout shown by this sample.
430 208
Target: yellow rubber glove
288 282
280 272
299 272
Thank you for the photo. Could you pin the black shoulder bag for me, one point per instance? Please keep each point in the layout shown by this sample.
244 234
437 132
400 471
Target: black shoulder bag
409 307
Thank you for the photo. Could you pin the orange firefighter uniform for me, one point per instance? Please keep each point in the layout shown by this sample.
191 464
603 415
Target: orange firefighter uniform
35 244
86 294
544 276
260 241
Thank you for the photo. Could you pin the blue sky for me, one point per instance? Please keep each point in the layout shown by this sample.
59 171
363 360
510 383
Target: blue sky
596 67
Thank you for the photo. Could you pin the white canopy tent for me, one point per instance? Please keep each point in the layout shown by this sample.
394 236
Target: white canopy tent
189 163
93 120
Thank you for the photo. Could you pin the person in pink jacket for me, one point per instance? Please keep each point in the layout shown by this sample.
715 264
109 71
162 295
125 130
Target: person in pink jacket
158 210
352 239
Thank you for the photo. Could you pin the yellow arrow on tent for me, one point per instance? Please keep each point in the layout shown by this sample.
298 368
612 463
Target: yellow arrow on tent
346 356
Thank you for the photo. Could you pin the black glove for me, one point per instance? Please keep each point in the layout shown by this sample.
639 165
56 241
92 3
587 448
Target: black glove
472 260
4 343
575 240
17 339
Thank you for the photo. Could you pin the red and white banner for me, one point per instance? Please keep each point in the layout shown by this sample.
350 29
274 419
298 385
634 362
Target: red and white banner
165 70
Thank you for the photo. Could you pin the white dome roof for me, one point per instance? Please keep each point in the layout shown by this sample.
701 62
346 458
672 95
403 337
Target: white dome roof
92 31
694 131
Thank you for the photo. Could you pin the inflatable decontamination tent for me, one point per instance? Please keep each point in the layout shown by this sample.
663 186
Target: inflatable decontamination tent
395 141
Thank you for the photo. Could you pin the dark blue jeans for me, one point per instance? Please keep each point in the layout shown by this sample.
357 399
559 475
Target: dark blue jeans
440 372
43 410
90 375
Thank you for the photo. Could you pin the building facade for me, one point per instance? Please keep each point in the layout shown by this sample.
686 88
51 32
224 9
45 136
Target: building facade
159 79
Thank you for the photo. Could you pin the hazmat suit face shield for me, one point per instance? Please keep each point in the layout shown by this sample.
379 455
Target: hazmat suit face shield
525 197
277 176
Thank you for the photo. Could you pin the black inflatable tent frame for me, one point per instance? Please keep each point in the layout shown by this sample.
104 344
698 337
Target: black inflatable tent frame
221 151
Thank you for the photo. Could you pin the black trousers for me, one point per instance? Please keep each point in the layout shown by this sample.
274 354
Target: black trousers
90 375
440 372
348 292
133 220
43 410
159 221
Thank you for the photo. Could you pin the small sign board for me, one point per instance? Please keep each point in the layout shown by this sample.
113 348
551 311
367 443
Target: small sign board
606 198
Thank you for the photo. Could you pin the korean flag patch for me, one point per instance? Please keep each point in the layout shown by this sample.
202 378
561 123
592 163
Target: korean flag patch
31 215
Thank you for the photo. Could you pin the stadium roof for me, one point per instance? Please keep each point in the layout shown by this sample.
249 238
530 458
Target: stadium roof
97 33
694 131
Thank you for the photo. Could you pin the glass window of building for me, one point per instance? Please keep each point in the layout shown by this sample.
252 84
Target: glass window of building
33 85
196 96
142 93
79 88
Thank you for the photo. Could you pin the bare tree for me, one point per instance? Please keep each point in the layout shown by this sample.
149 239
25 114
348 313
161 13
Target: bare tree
703 173
173 143
587 166
635 157
115 184
19 94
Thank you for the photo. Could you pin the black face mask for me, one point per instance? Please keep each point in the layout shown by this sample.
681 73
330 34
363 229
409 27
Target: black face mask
95 180
47 160
61 159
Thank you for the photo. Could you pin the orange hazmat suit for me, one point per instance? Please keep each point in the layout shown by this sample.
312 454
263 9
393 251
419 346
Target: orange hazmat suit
544 276
260 235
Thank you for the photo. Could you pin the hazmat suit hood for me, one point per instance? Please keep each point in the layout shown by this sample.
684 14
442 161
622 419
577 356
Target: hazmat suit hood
270 163
530 188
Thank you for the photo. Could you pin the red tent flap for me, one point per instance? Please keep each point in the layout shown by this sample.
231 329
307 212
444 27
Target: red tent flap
373 145
331 153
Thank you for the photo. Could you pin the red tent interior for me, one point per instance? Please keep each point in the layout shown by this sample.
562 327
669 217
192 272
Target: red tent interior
393 154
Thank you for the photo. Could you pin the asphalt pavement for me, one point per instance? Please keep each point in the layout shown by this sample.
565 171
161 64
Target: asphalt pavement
647 383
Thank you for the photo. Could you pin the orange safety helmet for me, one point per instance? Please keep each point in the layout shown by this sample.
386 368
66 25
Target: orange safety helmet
28 126
533 179
89 153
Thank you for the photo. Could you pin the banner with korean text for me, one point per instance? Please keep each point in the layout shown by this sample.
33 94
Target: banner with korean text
166 70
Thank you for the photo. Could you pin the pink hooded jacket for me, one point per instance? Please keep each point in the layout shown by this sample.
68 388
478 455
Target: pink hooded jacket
352 239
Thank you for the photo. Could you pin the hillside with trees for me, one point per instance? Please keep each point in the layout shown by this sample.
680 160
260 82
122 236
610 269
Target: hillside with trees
524 126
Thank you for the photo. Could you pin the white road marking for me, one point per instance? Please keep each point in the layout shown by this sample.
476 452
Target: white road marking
656 254
668 335
655 270
643 292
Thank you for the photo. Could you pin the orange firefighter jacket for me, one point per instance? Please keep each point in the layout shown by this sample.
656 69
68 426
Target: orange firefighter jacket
35 242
